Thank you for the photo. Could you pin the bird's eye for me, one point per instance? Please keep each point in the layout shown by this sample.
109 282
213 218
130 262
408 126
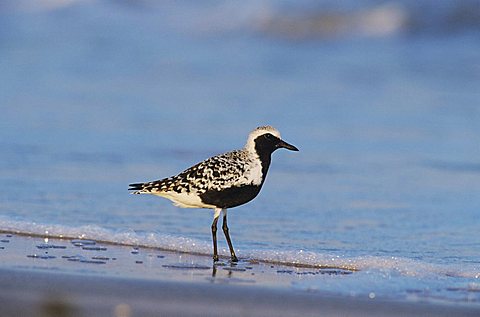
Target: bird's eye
269 136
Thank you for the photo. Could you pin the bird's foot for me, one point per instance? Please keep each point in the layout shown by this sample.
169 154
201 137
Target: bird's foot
234 258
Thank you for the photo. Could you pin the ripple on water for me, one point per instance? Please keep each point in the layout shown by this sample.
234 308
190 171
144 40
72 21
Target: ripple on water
103 258
186 266
82 259
95 248
234 269
50 246
82 242
41 256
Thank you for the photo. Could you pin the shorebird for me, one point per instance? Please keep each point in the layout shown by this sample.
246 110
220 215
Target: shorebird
223 181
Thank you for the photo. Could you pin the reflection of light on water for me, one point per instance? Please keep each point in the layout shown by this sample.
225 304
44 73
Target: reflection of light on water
123 310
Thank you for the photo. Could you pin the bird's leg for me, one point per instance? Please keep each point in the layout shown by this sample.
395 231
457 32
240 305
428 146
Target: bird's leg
214 234
227 235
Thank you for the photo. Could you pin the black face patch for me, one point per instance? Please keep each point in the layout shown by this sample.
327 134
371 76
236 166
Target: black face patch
266 143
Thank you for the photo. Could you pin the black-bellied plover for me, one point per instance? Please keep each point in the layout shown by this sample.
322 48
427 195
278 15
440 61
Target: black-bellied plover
223 181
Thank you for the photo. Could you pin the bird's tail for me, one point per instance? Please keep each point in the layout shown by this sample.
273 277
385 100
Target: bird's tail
139 188
154 187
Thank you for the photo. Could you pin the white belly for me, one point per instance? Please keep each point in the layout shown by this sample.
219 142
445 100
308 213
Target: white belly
184 200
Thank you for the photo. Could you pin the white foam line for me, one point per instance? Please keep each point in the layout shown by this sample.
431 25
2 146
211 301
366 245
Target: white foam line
403 266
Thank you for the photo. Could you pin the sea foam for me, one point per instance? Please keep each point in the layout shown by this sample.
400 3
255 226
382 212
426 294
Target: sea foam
297 258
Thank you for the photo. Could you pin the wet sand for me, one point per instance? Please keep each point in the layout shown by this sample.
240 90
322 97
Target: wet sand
71 277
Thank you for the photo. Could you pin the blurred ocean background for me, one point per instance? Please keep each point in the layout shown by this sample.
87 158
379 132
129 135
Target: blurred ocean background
381 97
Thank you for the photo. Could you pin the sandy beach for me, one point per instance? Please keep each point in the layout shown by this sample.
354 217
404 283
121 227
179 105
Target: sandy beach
72 277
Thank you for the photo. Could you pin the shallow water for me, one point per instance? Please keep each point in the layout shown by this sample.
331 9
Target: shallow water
97 95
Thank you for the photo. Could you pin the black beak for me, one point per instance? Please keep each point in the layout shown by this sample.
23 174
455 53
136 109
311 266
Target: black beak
285 145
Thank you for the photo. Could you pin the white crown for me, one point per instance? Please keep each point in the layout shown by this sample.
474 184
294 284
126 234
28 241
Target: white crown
250 146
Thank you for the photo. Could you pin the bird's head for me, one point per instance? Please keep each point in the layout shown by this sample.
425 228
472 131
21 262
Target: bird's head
266 139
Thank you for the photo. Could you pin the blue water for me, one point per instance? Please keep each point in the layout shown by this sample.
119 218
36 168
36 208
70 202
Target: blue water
96 95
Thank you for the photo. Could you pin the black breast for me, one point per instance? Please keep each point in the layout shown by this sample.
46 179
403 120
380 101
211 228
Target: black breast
230 197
